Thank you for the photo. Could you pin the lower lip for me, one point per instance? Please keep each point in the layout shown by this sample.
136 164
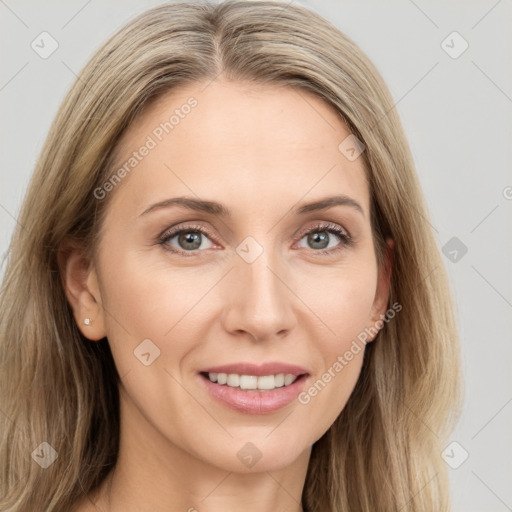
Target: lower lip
252 401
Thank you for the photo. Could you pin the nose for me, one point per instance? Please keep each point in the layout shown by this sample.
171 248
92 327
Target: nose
260 300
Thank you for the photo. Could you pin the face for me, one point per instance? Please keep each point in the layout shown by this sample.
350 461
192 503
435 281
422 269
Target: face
260 280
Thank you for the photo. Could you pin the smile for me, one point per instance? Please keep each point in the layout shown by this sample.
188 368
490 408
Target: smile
247 396
261 383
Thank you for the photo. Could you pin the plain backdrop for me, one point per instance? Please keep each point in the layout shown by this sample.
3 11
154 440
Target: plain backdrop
455 104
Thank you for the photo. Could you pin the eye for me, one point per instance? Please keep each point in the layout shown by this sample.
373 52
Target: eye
192 238
320 237
188 239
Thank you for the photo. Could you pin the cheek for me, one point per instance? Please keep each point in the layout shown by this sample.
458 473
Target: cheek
343 303
149 298
342 299
326 395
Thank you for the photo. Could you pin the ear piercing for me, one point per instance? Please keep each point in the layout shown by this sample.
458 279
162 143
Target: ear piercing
87 321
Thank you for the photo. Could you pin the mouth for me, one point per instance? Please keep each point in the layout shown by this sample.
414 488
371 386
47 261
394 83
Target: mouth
259 383
256 392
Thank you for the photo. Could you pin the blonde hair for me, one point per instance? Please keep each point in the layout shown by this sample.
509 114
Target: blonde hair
383 452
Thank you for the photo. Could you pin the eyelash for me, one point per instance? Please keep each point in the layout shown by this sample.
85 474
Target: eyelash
345 237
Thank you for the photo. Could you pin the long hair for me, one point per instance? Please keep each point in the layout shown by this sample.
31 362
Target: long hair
383 452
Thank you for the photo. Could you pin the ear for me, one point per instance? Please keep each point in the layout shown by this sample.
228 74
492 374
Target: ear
380 302
80 283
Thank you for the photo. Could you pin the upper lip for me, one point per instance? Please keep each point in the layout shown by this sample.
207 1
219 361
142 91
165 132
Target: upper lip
270 368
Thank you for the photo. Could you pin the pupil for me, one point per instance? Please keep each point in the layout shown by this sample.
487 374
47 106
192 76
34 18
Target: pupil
320 237
190 238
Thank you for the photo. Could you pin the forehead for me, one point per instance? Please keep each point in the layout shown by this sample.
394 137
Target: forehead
250 143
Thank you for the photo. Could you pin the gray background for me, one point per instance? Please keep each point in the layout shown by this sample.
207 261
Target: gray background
457 116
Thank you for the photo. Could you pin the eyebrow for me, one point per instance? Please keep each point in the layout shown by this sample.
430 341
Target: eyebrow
218 209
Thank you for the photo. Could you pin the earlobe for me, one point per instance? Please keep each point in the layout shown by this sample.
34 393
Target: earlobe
383 287
80 284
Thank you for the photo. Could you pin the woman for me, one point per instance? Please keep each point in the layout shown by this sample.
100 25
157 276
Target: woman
223 291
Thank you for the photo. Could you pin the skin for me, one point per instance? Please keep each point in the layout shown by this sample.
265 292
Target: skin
259 150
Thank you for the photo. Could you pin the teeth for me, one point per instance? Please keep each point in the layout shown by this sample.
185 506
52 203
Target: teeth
279 380
233 380
288 379
248 381
264 382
